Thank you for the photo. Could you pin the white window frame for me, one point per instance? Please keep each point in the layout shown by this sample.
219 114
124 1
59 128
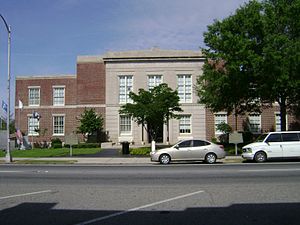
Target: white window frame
218 121
154 80
278 121
255 122
53 124
185 124
57 96
127 123
184 88
32 124
125 88
37 99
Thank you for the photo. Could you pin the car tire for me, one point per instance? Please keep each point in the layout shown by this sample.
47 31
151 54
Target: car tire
260 157
164 159
210 158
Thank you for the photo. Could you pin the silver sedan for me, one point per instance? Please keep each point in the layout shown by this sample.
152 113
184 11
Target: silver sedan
191 149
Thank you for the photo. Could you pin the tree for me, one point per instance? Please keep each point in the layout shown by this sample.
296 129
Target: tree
253 59
153 108
90 122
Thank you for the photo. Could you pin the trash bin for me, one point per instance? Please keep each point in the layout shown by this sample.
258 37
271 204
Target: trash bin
125 148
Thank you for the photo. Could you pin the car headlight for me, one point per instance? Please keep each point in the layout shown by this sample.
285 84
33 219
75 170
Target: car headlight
247 150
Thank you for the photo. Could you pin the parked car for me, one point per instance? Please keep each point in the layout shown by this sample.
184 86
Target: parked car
284 144
191 149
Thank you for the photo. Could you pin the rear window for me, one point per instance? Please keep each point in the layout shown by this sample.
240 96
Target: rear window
290 137
198 143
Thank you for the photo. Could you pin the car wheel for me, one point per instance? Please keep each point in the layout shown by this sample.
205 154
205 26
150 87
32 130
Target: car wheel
260 157
210 158
164 159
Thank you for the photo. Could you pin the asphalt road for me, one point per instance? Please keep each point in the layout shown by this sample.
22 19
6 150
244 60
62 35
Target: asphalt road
174 194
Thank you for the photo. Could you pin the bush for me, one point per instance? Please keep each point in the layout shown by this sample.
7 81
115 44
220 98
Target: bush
56 143
140 151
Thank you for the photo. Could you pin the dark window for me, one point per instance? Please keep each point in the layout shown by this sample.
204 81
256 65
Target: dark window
274 138
198 143
185 144
290 137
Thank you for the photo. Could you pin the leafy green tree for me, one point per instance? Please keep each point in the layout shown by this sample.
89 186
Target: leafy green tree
253 59
90 122
153 108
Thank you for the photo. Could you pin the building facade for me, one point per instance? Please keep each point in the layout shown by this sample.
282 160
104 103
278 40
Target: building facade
104 82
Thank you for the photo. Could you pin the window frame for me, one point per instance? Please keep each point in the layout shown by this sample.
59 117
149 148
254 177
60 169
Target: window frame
185 89
36 101
35 124
60 103
128 120
53 124
156 80
127 89
185 125
224 114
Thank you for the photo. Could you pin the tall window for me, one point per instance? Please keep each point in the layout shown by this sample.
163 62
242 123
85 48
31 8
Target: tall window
185 124
58 96
58 125
125 124
255 123
33 126
34 96
220 118
125 87
185 88
278 121
153 81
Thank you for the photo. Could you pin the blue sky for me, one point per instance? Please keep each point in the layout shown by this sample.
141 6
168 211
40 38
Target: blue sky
47 36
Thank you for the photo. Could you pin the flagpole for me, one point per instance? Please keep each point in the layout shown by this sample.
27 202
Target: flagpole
8 155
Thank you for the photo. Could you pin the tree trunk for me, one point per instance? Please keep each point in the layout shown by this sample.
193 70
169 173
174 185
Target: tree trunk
282 104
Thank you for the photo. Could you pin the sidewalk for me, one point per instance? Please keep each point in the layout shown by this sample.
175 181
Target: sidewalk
106 160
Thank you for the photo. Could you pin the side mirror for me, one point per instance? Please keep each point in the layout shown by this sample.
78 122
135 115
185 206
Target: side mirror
176 146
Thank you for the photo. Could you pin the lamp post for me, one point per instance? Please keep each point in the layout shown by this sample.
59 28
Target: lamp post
8 155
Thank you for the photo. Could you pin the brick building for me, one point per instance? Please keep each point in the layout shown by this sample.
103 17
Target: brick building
104 82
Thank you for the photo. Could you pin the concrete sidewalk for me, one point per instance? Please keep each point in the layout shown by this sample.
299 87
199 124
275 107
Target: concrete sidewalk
107 160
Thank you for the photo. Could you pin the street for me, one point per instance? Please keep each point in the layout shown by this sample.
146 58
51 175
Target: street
193 193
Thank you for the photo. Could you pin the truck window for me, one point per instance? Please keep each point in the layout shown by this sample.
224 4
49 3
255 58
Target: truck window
274 138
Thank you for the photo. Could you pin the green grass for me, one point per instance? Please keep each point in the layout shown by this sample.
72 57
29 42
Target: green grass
145 151
58 152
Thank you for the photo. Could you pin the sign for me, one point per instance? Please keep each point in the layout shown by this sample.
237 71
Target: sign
71 139
3 110
236 138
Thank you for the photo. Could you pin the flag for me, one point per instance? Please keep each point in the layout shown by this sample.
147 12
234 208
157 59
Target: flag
4 106
20 104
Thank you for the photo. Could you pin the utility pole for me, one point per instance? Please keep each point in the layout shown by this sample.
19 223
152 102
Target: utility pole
8 157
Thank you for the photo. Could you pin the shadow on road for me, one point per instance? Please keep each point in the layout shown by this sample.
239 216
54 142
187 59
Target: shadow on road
239 214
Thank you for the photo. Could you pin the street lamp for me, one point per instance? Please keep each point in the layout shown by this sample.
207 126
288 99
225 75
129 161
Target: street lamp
8 155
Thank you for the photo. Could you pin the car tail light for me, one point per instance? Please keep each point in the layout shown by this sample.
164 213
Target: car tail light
221 146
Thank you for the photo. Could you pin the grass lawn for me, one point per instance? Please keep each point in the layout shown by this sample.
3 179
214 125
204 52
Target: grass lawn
57 152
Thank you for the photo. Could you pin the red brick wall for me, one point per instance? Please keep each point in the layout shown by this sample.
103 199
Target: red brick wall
91 83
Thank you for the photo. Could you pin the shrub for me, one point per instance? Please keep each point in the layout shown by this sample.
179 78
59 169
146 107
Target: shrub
88 145
56 143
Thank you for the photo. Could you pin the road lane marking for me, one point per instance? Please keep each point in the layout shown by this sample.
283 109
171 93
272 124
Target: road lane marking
139 208
270 170
25 194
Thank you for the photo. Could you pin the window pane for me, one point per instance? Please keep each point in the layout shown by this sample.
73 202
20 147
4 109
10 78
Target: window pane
185 124
33 126
220 118
125 124
34 96
153 81
125 87
184 83
58 125
185 144
58 96
290 137
274 138
255 123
